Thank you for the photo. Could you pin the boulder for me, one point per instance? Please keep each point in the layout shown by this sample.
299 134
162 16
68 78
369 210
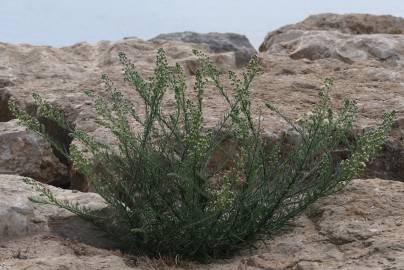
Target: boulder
319 44
36 236
51 253
61 75
364 55
216 42
355 24
359 228
293 86
20 217
25 153
224 62
365 67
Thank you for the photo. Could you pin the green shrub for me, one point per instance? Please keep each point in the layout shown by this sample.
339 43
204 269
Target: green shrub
167 199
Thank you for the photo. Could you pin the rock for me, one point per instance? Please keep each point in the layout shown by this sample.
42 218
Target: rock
28 154
350 37
365 68
217 43
355 24
383 74
295 94
50 253
372 50
61 75
39 236
4 82
223 60
318 44
19 217
361 227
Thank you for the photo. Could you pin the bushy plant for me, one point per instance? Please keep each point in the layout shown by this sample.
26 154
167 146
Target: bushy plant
165 197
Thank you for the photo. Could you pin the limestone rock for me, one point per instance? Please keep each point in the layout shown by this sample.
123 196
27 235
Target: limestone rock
352 60
368 72
60 75
217 43
318 44
28 154
347 23
20 217
359 228
222 60
51 253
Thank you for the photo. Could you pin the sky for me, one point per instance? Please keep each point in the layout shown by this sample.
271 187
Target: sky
65 22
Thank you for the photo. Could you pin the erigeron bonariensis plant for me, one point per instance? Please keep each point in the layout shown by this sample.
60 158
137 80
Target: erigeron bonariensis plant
165 198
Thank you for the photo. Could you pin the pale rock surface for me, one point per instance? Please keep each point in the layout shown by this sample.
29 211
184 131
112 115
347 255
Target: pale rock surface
363 54
355 24
21 217
25 153
36 236
348 37
319 44
49 252
361 227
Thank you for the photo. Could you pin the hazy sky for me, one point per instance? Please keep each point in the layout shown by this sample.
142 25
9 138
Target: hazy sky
65 22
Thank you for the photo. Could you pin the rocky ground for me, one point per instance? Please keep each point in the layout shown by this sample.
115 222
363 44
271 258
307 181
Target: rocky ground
359 228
